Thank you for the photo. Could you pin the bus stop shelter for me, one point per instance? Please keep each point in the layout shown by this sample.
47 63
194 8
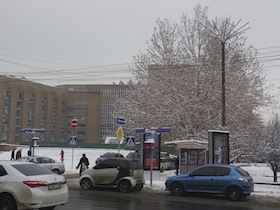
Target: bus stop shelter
192 153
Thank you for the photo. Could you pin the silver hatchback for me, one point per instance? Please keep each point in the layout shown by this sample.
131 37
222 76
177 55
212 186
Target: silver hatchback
48 163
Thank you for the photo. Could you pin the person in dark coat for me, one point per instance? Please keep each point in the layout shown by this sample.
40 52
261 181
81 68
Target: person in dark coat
13 154
177 165
83 164
18 155
29 152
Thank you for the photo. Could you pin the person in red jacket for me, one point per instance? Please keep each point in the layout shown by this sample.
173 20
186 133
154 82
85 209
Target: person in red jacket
62 156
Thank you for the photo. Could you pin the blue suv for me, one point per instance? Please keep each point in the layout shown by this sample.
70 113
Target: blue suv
229 180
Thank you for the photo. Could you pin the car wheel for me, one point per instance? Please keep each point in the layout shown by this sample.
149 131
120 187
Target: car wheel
177 189
56 171
139 187
7 203
234 193
124 186
86 184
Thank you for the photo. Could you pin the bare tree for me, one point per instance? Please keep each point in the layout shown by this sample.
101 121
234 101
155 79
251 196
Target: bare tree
177 84
269 150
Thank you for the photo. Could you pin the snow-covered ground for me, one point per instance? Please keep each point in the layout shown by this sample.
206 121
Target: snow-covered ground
259 172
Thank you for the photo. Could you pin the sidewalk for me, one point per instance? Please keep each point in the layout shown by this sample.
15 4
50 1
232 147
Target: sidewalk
71 175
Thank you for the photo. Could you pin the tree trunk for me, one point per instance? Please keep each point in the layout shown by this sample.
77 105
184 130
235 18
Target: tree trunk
275 175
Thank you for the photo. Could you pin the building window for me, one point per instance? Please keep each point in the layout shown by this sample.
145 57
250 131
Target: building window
80 110
6 115
44 112
53 120
64 122
31 111
18 118
80 102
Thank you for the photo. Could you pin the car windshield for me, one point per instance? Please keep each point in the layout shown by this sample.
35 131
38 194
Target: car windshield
31 169
242 171
135 165
133 155
26 159
109 155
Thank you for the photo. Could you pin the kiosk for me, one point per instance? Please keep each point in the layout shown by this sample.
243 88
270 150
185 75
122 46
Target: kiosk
192 153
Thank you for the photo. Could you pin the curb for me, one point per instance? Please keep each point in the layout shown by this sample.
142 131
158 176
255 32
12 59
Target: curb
268 183
71 175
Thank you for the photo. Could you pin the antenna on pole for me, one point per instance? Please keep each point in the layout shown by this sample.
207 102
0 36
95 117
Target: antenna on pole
223 33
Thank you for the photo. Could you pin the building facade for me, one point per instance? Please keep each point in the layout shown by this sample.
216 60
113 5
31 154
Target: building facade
28 105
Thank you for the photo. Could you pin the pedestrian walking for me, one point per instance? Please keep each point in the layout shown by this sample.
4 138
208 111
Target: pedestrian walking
29 152
62 156
13 154
18 155
177 165
83 164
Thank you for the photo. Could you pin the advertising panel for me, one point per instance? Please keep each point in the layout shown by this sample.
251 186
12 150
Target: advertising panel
147 150
219 147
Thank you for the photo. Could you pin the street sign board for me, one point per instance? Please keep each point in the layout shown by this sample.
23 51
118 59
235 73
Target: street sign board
33 130
163 130
130 141
140 130
156 130
74 123
73 140
120 133
120 121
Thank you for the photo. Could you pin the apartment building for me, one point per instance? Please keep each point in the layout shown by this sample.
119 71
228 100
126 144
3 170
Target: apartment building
27 105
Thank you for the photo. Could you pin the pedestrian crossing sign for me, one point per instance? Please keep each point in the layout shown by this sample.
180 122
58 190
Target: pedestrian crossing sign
73 140
130 141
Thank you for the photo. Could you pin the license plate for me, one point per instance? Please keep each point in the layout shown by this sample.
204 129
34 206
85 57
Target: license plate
54 186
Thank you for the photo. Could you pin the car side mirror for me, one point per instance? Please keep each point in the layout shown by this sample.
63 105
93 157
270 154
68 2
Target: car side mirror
191 174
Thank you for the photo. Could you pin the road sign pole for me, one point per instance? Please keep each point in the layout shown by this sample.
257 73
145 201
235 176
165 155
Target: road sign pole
151 167
72 157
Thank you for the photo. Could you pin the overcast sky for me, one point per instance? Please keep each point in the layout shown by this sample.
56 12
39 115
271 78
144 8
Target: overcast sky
92 41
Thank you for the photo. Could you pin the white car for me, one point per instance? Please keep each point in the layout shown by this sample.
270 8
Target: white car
51 164
125 174
26 185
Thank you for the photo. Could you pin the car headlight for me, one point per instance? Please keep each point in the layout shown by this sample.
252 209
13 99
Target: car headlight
243 179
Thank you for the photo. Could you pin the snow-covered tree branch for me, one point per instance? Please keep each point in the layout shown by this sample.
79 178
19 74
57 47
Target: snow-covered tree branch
178 84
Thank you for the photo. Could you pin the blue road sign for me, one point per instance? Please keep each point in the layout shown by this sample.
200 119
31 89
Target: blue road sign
130 141
73 140
140 130
33 130
157 130
163 130
120 121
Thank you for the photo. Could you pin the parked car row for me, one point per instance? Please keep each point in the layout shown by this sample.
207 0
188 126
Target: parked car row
28 184
127 174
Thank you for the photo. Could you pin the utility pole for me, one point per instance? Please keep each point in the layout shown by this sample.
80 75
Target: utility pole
223 34
223 86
